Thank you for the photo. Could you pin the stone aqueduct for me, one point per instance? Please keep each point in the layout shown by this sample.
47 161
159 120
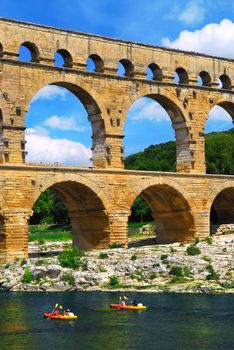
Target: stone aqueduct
99 199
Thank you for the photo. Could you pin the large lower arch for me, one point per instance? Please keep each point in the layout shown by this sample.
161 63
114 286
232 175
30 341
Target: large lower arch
171 210
180 122
87 208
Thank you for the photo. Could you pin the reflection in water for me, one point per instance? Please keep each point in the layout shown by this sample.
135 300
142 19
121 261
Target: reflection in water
171 322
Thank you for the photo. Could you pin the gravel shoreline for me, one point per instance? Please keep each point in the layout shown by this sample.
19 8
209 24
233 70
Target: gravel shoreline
154 268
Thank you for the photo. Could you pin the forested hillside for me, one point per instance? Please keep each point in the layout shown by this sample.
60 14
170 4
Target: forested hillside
219 155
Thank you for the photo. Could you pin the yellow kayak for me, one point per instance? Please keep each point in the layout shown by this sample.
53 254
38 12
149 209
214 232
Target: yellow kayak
128 307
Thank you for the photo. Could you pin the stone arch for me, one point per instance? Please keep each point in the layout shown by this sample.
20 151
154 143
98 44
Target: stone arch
95 109
205 78
225 81
98 63
218 189
183 75
156 71
171 208
87 208
228 106
128 67
178 115
89 97
221 206
67 58
33 49
42 185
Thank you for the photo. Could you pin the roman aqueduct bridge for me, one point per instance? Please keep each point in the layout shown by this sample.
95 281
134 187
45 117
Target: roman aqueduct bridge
99 198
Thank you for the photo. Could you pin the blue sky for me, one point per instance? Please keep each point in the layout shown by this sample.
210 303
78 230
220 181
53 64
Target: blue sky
57 120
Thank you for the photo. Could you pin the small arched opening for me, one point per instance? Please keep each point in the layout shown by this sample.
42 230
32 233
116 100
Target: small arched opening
95 64
225 82
154 72
204 79
29 52
181 76
125 68
63 58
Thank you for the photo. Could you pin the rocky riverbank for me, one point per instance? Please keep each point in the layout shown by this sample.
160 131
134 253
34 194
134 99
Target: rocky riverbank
205 267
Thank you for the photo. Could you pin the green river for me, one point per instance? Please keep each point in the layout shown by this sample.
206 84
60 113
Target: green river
172 321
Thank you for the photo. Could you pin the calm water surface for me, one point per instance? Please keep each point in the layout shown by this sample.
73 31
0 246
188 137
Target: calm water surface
171 322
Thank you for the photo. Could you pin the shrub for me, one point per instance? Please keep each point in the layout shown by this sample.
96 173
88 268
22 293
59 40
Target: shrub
27 276
134 257
206 258
180 271
84 265
71 258
113 281
23 262
208 240
212 274
178 279
197 240
164 256
40 262
103 256
102 269
224 250
69 278
172 250
152 275
193 250
41 241
116 245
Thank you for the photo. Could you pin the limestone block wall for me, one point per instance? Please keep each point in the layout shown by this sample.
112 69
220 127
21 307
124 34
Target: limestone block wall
99 203
106 96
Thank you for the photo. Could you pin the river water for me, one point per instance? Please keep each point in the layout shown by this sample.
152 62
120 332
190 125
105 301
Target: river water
171 322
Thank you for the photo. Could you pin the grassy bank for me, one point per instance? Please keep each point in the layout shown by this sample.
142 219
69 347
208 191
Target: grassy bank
63 232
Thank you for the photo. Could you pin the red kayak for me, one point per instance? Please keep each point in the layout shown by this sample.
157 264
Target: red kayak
59 316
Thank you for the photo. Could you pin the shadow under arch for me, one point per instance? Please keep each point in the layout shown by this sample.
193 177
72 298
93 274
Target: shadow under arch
87 209
222 207
179 120
171 210
220 201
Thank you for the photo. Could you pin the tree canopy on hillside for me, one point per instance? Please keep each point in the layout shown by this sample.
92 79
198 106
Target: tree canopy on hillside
219 148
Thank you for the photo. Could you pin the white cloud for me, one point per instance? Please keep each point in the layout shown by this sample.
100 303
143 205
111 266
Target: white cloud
144 109
50 92
41 148
193 13
63 123
217 113
213 39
